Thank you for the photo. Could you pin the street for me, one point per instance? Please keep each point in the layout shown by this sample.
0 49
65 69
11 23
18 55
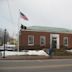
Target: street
51 65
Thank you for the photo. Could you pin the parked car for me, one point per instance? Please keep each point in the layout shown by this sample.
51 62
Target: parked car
8 47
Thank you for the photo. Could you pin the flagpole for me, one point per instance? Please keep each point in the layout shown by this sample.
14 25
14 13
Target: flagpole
18 24
25 18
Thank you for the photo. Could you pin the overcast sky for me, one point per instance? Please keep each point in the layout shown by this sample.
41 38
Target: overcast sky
51 13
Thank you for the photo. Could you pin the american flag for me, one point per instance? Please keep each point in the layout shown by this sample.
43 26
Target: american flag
23 16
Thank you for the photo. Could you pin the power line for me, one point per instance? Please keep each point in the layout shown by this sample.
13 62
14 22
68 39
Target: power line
11 18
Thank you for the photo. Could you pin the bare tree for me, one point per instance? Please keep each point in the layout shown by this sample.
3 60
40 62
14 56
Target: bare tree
2 36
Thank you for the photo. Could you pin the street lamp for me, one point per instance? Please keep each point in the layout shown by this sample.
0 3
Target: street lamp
4 42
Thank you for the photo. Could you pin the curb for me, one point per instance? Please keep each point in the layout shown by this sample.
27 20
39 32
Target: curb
34 57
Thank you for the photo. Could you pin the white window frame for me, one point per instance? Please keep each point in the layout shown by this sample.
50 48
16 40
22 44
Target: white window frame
64 41
44 40
29 41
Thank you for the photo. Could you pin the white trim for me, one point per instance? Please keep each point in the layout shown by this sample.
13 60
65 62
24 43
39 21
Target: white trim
57 38
64 40
33 40
44 40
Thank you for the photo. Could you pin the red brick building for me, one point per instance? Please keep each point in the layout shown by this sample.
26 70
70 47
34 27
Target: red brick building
36 37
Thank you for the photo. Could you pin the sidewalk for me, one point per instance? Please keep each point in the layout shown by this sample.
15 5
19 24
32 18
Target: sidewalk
34 57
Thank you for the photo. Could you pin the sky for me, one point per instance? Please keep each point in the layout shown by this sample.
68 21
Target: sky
51 13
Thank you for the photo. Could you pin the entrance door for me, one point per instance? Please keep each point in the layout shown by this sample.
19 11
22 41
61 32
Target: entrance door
54 41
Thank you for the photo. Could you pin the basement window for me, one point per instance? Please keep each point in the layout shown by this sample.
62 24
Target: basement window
65 41
42 40
30 40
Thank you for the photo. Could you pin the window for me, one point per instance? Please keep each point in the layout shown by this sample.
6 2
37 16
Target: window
54 38
42 40
65 41
30 40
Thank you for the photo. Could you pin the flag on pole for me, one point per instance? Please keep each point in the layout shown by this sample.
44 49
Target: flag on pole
23 16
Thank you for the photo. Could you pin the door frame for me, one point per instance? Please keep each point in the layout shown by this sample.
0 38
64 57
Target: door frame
57 38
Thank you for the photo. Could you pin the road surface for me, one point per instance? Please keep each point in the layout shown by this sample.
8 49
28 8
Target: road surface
52 65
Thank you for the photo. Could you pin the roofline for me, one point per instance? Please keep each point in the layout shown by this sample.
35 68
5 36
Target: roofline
43 31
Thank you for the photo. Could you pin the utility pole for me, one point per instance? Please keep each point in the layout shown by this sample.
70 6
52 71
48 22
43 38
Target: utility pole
4 42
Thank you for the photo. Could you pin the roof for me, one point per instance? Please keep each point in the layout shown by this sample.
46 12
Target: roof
48 29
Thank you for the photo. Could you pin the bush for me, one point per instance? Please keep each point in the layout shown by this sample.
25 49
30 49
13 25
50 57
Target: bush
61 52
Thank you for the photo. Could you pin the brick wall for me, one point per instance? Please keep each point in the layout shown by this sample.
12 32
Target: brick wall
23 41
